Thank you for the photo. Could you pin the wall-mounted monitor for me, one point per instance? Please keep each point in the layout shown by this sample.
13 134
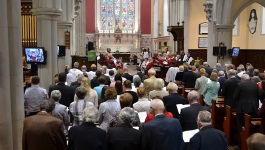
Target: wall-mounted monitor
60 50
35 55
235 51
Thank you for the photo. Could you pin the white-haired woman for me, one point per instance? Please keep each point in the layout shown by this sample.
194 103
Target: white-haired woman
60 111
87 135
159 91
124 136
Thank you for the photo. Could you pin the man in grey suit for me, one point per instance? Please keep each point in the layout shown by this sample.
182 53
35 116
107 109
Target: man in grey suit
162 133
60 111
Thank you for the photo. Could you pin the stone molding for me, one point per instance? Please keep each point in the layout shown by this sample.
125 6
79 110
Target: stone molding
208 8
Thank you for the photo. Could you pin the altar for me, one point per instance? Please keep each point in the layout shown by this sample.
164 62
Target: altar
118 41
125 56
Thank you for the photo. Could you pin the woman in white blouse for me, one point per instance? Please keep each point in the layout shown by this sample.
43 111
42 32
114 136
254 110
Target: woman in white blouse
143 104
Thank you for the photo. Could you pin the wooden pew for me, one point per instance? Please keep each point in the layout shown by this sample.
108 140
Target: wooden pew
229 125
252 125
202 100
186 91
181 90
217 112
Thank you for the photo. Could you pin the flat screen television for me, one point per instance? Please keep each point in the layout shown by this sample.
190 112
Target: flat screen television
235 51
35 55
60 50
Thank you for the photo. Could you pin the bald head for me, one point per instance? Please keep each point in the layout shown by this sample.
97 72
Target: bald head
245 77
157 106
193 97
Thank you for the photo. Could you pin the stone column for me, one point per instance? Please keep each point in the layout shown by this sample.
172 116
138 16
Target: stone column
47 13
219 28
64 25
165 17
224 35
172 22
83 28
76 28
11 82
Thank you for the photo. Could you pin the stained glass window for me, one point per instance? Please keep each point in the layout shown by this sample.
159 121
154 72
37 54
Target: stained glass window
117 13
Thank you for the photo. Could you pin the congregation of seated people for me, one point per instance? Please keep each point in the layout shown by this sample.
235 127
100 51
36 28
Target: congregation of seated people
110 108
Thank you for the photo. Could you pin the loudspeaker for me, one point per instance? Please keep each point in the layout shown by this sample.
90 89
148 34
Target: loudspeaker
222 51
61 51
219 51
215 50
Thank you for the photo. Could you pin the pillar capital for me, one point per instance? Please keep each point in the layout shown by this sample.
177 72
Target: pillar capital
64 24
224 27
47 8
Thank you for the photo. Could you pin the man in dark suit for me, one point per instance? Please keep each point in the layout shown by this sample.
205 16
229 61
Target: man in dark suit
207 68
124 136
43 131
94 81
221 80
127 75
247 96
77 83
127 85
188 115
189 78
139 72
87 135
162 133
229 88
207 137
173 99
67 91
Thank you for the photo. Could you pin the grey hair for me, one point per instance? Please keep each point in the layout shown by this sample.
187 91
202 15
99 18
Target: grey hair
90 114
136 80
80 76
218 65
81 92
76 64
157 104
193 95
127 115
47 105
245 77
231 72
172 86
204 118
221 73
256 141
159 84
56 95
152 71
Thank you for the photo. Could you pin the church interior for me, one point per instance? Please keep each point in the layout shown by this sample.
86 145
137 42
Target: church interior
67 31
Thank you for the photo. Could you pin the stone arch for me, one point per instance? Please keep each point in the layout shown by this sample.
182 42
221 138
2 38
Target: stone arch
243 5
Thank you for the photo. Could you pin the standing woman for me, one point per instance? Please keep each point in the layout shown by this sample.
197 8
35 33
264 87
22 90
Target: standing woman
211 90
91 95
76 108
109 110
